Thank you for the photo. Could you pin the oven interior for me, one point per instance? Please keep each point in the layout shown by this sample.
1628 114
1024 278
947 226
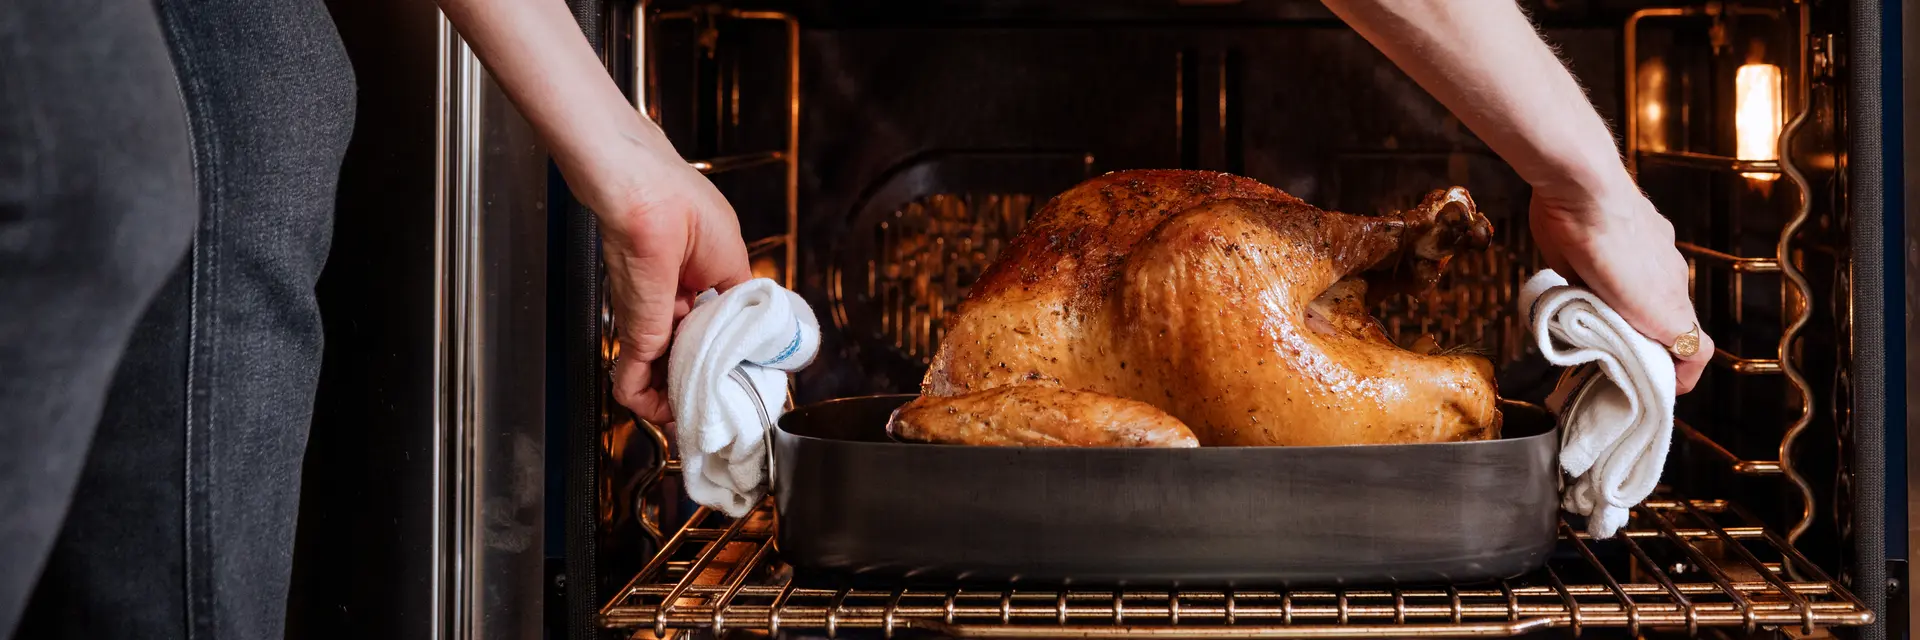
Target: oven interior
880 154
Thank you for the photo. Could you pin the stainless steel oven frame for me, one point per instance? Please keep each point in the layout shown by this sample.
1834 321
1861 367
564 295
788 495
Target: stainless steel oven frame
425 515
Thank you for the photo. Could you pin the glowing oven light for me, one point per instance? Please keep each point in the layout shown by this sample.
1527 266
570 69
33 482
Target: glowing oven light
1758 115
1652 124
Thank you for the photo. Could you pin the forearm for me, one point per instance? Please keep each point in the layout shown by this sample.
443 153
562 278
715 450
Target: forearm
535 51
1488 65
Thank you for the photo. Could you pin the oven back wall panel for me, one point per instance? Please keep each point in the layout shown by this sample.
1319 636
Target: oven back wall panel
892 115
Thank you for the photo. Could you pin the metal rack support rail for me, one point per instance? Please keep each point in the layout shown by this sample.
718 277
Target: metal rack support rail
1782 262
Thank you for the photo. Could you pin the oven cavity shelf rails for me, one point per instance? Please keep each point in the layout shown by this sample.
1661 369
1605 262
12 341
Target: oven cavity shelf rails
1679 564
1798 299
646 92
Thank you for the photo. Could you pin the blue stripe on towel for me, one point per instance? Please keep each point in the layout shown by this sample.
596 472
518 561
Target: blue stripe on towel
791 347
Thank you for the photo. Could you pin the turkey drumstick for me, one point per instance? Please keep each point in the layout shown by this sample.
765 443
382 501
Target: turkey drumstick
1237 310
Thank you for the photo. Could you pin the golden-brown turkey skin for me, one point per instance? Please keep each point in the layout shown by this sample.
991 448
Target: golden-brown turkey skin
1191 291
1038 415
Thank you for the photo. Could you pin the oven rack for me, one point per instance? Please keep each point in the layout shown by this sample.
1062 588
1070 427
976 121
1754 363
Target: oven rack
1679 564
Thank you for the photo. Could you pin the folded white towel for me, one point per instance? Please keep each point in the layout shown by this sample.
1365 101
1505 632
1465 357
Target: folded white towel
1615 406
763 330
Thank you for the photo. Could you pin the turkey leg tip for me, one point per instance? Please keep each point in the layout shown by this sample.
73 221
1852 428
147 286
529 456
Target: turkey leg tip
1457 224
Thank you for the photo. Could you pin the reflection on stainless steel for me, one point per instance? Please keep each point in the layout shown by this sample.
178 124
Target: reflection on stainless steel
490 423
1680 565
452 168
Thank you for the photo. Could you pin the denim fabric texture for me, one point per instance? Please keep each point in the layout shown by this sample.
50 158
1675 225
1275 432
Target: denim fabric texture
167 177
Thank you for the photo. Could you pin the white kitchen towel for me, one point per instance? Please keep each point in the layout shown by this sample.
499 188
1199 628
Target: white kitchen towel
1615 405
765 331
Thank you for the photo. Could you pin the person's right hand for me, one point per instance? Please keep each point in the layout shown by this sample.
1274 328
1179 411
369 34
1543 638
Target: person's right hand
1622 249
667 235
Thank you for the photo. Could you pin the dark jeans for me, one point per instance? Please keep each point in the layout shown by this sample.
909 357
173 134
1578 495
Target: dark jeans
167 173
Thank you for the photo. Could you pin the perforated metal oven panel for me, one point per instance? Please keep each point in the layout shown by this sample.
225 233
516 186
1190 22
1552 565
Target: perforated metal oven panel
923 259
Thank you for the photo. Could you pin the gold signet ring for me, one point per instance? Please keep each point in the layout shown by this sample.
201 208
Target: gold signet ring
1686 344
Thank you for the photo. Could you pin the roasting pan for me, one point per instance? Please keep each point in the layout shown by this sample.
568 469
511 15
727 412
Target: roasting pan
852 502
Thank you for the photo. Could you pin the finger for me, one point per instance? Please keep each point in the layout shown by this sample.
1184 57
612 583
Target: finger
648 398
718 259
1664 324
1687 371
646 390
644 282
1645 280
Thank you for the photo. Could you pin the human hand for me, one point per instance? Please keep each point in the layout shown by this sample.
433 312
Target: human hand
1621 248
667 235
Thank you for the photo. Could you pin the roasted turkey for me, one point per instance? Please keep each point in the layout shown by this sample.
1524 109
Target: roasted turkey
1188 308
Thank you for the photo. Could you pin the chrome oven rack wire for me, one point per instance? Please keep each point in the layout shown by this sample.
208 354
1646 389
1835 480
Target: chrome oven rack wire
1680 564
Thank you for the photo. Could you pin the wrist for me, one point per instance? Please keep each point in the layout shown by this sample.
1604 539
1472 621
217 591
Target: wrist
613 138
1601 191
630 147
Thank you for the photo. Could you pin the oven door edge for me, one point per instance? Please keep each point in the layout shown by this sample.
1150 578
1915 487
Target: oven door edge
490 343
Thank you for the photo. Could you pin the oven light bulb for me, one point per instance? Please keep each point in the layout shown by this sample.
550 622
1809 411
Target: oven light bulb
1652 125
1758 115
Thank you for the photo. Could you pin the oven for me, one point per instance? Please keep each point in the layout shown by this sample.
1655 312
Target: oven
881 153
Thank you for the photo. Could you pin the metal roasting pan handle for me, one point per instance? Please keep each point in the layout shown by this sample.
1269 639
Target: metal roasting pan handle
739 375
